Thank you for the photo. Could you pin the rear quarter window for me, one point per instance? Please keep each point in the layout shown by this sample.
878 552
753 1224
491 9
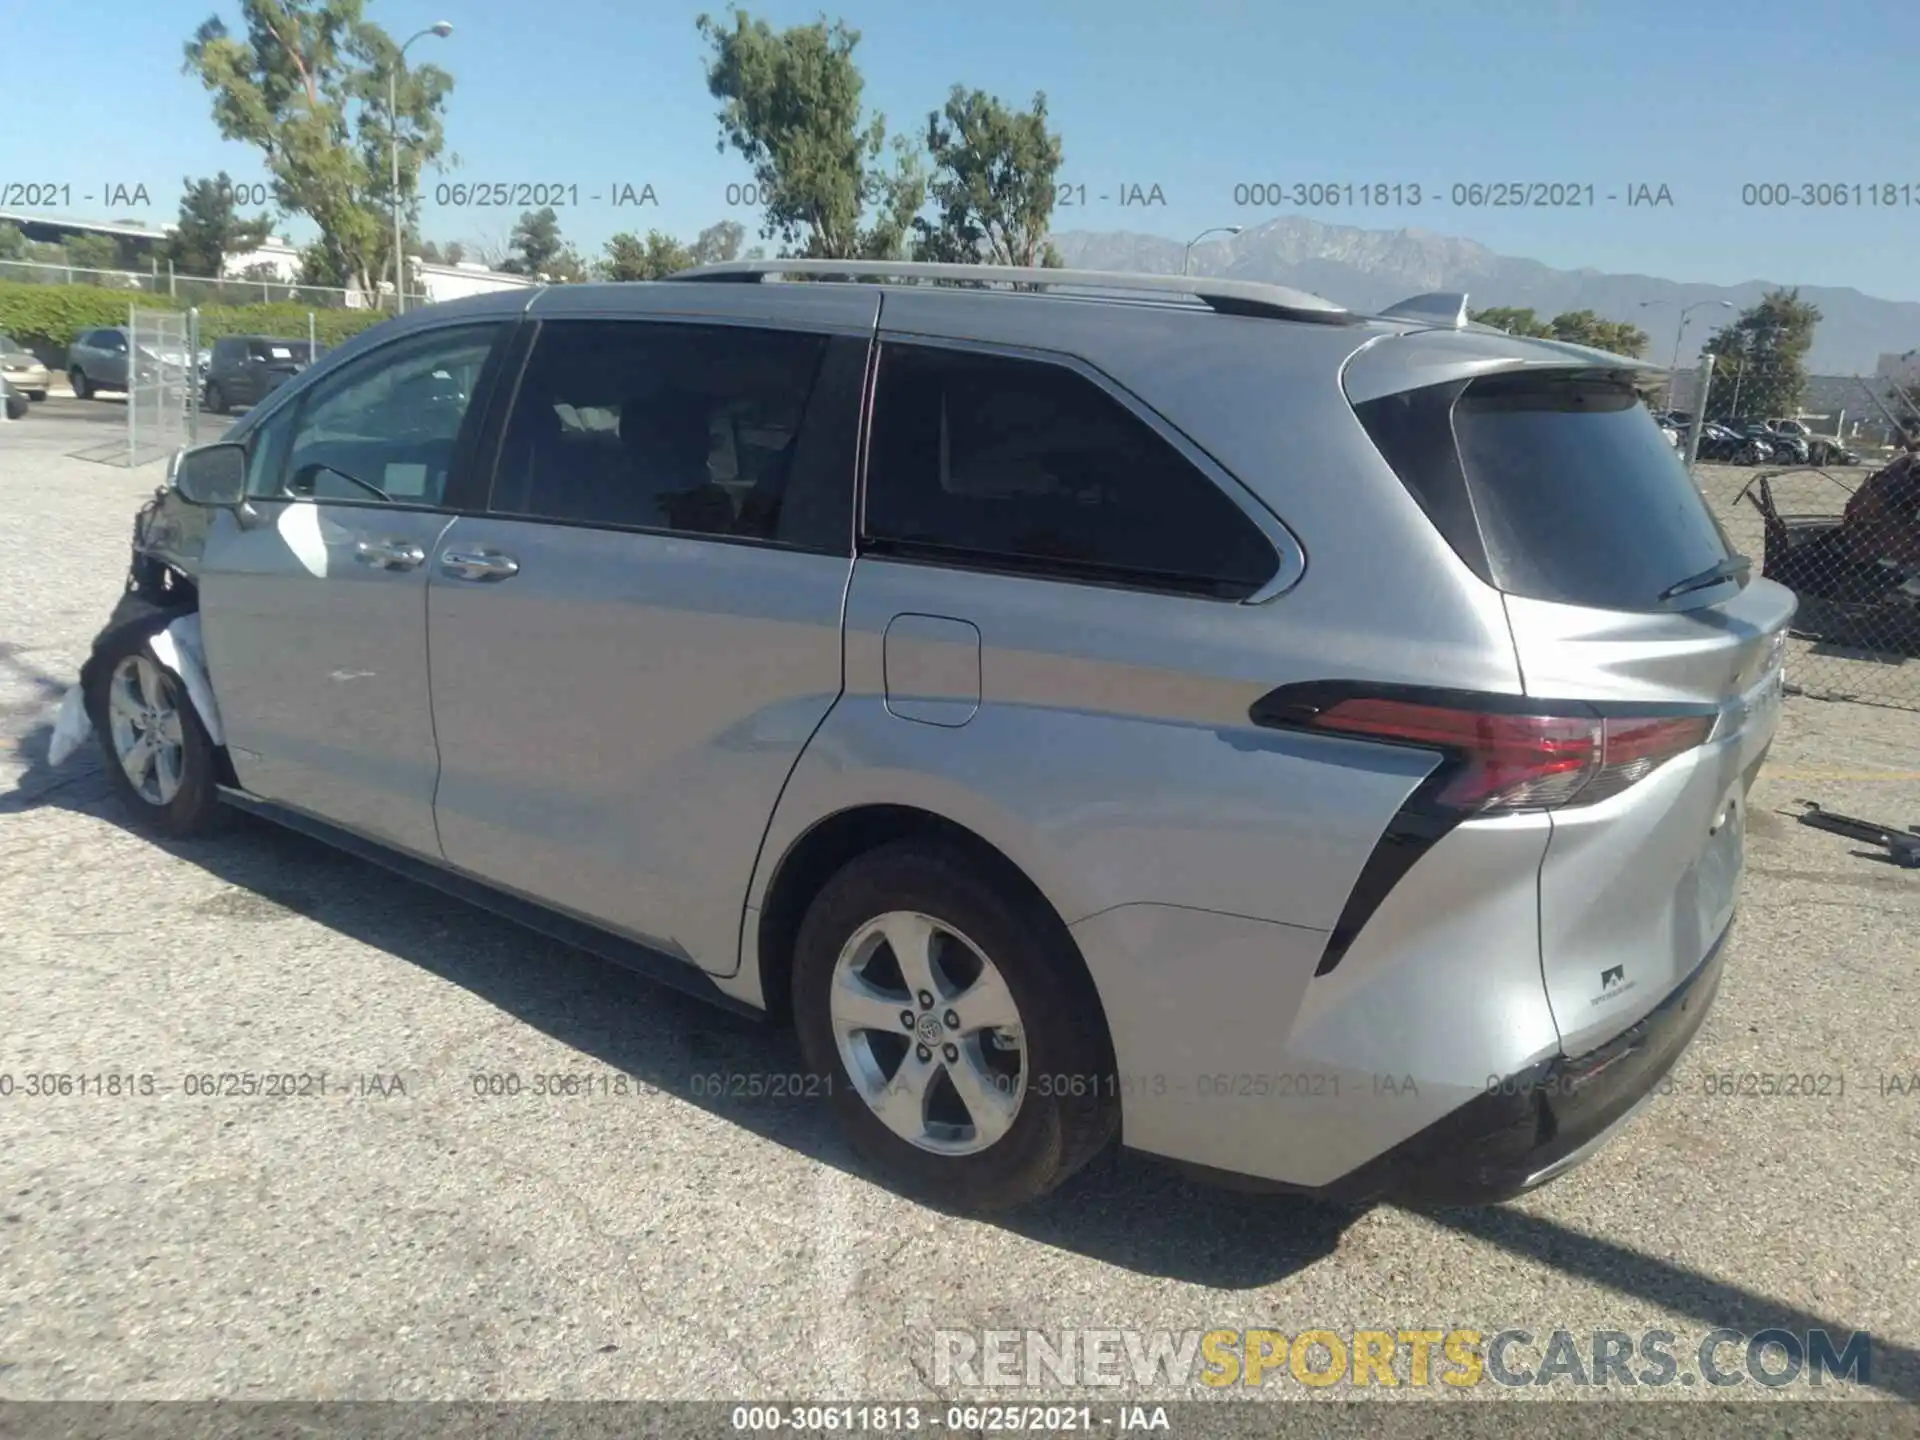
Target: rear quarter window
1556 488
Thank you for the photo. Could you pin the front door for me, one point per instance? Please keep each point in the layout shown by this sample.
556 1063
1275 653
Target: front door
313 596
631 649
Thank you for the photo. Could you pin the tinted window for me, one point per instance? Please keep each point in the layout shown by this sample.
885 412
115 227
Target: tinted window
385 429
688 428
267 452
1555 488
1029 466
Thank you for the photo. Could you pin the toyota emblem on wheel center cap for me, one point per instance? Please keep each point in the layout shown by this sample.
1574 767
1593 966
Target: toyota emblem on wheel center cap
930 1029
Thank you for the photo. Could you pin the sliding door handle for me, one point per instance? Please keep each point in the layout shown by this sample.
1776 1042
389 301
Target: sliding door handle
478 565
389 554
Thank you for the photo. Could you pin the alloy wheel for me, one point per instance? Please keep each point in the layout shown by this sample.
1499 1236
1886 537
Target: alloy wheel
929 1033
143 713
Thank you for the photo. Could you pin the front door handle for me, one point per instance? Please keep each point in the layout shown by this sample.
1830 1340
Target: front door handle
478 564
389 554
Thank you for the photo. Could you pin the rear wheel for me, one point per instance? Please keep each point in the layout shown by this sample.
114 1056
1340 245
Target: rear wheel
77 378
157 753
957 1033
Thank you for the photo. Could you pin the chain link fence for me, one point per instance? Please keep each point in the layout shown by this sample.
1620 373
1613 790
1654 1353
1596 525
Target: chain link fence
1829 505
201 289
1846 541
161 390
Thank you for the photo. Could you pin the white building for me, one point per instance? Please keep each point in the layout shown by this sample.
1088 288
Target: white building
276 252
468 277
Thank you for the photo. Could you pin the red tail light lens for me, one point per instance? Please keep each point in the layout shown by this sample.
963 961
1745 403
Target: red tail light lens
1506 761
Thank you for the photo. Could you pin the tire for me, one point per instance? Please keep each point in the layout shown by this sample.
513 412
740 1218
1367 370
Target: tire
216 399
192 806
1063 1107
77 378
36 396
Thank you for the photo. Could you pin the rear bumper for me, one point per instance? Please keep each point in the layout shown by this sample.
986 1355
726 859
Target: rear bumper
1530 1127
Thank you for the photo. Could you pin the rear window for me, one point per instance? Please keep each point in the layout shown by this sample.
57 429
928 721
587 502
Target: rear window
1552 487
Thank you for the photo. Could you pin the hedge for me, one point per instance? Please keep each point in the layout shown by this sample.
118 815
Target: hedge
54 314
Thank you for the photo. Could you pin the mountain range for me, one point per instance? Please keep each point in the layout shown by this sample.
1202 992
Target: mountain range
1371 269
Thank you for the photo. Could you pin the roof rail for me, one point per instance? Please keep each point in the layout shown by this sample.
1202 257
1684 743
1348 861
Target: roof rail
1229 297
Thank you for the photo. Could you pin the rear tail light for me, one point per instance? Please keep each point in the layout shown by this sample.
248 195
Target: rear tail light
1502 759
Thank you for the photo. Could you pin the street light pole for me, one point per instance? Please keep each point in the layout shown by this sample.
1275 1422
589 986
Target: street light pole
442 29
1679 333
1216 230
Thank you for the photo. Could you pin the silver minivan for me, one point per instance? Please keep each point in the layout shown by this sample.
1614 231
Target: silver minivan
1303 745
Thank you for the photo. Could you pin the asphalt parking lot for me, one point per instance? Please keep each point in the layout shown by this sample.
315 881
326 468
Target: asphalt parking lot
413 1239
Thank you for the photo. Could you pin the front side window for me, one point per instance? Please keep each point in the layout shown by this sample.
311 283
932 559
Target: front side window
384 430
1027 466
658 426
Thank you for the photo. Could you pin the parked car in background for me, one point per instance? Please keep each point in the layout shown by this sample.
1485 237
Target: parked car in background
15 401
832 650
1788 439
245 369
1807 447
1780 449
1728 446
22 369
104 359
1825 450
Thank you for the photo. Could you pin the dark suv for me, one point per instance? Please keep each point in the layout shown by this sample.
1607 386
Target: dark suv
246 368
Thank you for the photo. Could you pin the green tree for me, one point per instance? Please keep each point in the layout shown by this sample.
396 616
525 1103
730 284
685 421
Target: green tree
992 184
1583 327
93 252
719 243
14 244
657 256
790 106
210 227
306 84
1514 322
537 247
1760 358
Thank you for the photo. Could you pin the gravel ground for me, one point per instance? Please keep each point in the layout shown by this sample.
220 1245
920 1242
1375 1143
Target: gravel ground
408 1240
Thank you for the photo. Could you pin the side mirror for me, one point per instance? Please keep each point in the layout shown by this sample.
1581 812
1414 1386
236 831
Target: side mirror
212 475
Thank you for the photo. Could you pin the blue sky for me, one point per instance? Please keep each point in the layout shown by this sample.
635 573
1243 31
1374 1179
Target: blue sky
1196 97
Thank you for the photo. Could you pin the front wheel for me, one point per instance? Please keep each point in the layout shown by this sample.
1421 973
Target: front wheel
954 1027
216 399
158 755
77 378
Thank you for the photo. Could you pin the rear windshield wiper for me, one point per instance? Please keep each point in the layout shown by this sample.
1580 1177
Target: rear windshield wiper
1734 567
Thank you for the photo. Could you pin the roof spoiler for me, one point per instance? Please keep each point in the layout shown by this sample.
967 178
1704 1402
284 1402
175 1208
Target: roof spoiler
1445 308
